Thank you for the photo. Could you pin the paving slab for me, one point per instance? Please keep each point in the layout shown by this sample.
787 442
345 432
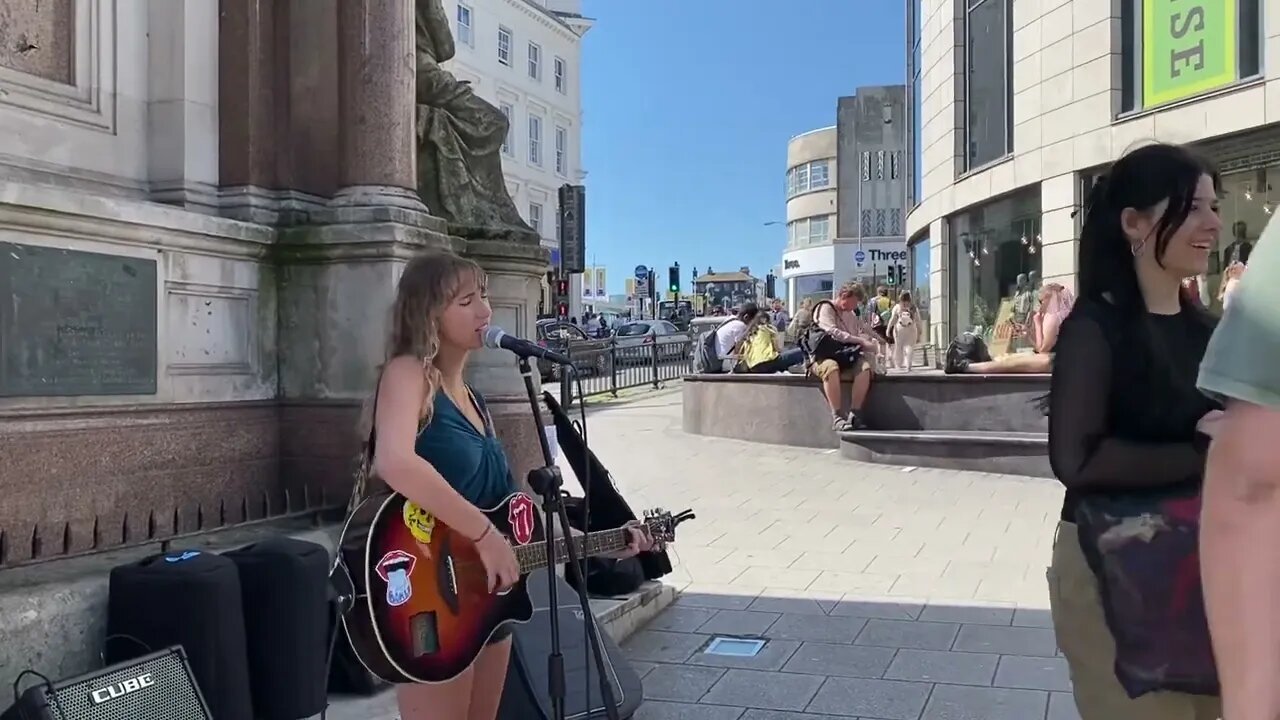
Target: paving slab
881 593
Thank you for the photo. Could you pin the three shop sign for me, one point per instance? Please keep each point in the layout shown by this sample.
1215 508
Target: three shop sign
1188 47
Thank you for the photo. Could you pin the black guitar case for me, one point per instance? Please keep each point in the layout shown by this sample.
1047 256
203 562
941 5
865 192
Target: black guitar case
608 509
525 695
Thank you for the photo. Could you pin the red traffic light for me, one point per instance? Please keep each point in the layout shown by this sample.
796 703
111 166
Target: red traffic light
562 287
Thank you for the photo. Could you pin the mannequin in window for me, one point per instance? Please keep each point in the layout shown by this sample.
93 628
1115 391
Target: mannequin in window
1240 247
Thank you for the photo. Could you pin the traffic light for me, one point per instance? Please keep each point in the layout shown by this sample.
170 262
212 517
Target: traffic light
770 286
562 310
902 275
892 278
562 288
673 279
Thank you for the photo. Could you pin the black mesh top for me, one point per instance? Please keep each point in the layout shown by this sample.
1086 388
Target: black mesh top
1118 421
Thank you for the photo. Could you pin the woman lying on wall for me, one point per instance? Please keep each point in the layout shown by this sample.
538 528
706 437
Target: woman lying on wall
1055 304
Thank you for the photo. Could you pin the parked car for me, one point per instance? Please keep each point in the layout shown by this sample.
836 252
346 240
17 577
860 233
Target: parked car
589 355
634 341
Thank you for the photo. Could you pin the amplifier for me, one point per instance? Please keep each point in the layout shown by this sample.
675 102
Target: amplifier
158 686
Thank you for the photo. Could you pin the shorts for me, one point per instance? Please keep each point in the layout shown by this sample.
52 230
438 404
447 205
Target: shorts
823 368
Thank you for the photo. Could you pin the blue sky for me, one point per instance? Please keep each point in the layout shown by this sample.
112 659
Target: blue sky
687 109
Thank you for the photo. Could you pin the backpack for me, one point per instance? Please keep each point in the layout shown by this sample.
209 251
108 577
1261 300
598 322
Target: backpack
705 358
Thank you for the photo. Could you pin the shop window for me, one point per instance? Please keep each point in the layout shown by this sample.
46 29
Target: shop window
1172 53
996 269
918 282
988 73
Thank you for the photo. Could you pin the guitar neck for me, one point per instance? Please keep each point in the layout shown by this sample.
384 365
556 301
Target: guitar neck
534 555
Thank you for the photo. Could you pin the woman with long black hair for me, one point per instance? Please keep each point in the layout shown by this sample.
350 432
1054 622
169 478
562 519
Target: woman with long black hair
1126 421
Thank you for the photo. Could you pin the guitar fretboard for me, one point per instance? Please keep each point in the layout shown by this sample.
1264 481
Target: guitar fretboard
534 555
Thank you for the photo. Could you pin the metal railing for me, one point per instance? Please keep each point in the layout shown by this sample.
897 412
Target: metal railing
624 365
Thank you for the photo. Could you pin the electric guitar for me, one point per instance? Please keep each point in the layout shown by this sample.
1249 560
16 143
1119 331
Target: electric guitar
420 609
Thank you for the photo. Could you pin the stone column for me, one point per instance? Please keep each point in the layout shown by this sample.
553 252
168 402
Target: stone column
376 95
515 272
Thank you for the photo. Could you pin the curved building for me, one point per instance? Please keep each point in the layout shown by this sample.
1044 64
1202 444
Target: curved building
808 263
1015 107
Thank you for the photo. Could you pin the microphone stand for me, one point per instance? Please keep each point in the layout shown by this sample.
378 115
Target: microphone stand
547 482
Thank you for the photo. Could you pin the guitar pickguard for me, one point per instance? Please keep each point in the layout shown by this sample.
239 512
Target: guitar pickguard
447 577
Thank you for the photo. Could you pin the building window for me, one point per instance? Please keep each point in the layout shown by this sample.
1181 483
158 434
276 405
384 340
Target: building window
995 257
535 140
988 82
504 46
562 151
466 34
919 261
1175 54
814 175
819 174
535 217
895 160
879 164
508 143
866 223
866 166
895 222
558 237
819 229
558 67
535 61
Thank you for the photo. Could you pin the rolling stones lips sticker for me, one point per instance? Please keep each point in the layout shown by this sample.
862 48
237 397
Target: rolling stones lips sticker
395 568
520 517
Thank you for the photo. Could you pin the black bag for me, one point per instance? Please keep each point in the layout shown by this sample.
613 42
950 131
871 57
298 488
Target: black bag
606 577
818 345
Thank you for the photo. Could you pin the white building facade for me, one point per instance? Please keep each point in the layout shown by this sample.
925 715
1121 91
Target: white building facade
845 198
525 57
1017 106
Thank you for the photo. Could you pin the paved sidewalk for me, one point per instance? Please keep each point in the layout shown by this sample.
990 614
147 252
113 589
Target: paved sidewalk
882 593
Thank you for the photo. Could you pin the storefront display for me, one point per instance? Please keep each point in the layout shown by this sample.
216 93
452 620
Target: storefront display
1248 202
996 261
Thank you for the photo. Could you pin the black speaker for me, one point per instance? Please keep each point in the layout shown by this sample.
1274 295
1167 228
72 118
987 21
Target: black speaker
186 598
285 585
525 695
159 686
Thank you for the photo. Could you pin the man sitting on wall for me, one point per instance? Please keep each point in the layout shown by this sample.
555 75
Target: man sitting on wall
842 349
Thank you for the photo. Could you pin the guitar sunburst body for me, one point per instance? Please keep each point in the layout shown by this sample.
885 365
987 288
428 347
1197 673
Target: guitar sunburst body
422 609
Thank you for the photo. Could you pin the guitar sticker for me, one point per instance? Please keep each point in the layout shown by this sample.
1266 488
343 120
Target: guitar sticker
395 568
421 523
520 517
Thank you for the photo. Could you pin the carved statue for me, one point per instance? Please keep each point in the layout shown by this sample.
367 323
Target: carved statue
460 138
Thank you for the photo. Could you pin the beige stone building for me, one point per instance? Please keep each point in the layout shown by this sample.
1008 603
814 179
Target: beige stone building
1016 105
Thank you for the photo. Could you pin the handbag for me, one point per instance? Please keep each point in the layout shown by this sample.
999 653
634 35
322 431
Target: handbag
1144 550
818 344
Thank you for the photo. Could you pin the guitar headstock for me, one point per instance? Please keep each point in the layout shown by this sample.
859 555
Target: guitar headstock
661 524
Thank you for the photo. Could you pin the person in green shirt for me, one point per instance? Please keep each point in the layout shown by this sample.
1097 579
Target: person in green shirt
1240 523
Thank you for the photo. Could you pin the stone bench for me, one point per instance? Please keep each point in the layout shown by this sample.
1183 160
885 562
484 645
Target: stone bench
970 422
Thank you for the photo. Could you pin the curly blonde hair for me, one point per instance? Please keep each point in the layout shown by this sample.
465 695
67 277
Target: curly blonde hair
428 284
1234 271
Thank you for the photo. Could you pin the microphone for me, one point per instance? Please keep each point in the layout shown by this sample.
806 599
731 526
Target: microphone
497 338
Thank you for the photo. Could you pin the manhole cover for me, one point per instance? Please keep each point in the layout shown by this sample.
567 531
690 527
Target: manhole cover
734 647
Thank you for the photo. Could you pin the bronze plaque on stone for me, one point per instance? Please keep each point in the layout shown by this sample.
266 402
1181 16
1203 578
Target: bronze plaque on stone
37 37
76 323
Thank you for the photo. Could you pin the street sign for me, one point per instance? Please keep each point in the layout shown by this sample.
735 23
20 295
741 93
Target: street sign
860 257
642 272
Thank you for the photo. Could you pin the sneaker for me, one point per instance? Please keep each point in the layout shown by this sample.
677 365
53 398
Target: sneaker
840 424
855 422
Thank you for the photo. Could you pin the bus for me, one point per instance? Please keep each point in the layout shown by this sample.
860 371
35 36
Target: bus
676 312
